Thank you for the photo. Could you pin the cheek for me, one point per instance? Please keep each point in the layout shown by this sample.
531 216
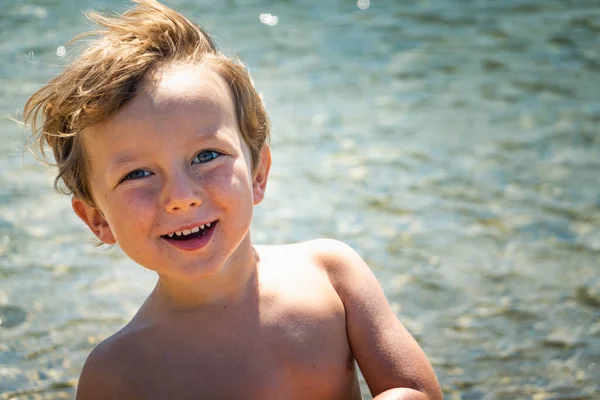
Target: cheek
135 207
231 181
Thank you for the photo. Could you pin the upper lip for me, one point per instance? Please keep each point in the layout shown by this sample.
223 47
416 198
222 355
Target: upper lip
189 227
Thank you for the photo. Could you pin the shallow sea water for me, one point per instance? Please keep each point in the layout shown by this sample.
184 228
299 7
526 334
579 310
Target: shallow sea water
454 143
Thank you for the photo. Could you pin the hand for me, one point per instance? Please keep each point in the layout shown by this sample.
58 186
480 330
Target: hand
402 394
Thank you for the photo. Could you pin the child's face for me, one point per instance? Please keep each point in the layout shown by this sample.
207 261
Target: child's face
173 160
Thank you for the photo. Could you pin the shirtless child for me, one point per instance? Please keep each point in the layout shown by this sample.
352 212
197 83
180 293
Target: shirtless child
163 143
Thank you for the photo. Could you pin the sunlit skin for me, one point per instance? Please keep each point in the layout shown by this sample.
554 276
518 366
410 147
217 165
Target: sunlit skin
173 158
227 320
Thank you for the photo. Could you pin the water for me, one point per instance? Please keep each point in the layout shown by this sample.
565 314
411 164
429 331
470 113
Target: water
454 143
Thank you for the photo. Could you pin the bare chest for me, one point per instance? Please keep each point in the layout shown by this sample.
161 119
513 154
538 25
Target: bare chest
301 353
287 342
251 376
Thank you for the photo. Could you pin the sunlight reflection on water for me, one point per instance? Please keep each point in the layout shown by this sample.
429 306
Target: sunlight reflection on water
455 144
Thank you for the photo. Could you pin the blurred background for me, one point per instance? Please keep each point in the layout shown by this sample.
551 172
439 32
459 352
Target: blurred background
454 143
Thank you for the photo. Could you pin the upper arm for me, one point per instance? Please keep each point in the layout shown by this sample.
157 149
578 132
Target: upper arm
388 356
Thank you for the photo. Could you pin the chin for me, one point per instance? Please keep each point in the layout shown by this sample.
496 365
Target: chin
191 273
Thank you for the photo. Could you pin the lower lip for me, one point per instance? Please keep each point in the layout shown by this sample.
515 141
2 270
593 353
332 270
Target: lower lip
193 244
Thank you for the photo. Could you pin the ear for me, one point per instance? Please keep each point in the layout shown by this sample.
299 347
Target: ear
259 184
94 219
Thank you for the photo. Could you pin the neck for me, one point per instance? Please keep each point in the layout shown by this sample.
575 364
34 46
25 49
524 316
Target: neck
230 285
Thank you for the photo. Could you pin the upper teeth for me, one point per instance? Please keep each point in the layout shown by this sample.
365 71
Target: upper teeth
188 231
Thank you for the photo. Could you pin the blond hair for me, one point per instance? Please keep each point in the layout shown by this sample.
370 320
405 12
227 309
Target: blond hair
107 75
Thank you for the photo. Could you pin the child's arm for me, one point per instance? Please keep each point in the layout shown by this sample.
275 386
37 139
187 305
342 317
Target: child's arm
391 361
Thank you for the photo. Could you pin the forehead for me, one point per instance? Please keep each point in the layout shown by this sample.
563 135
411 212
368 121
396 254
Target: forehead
173 85
174 100
187 94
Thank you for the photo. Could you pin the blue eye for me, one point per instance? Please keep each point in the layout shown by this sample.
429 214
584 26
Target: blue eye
206 156
137 174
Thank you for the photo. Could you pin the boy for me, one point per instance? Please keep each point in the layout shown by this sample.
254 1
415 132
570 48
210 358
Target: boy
163 143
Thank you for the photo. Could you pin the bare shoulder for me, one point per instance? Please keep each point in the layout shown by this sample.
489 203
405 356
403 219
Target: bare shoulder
331 251
330 254
388 356
107 369
328 257
317 264
332 258
344 266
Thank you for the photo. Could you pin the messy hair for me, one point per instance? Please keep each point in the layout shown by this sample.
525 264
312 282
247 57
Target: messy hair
108 74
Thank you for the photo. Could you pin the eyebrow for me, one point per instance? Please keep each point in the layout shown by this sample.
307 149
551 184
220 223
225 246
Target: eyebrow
122 161
207 133
119 163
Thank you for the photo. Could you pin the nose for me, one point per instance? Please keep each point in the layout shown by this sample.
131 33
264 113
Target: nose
181 192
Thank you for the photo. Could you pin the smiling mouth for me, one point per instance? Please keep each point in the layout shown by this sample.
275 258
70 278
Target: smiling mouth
194 233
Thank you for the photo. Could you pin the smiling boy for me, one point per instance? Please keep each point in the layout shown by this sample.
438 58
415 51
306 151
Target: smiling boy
163 143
